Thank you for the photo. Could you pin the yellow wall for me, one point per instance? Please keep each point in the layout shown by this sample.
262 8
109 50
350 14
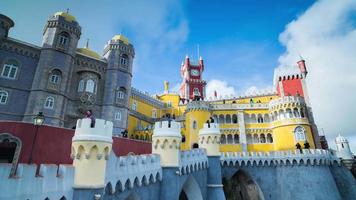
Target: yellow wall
191 134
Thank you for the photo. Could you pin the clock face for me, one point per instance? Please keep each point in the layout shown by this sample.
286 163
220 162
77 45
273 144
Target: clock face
194 72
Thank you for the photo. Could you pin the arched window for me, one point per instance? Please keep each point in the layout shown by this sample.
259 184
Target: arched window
248 138
221 119
228 119
255 138
81 86
215 117
302 113
124 60
269 138
229 139
90 86
236 139
118 116
296 112
3 96
55 77
262 138
120 94
266 118
134 105
260 118
49 103
253 118
223 139
299 133
63 40
10 69
234 118
196 92
281 114
10 147
169 104
288 113
154 113
194 125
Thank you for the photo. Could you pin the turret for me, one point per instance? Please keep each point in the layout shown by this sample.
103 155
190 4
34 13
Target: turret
91 147
54 69
302 67
343 148
5 24
201 63
166 87
166 140
119 53
209 138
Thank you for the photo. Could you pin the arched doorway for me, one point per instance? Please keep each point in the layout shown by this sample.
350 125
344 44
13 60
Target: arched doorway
242 187
10 147
190 190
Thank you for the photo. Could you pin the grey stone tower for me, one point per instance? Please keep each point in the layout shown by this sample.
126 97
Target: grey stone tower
54 69
5 24
119 54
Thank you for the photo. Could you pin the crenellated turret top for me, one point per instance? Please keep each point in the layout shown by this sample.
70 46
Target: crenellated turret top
100 131
167 129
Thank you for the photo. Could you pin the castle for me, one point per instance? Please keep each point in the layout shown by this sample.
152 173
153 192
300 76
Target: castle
224 147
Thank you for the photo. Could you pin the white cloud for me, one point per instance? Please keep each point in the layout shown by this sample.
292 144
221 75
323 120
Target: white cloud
221 87
325 35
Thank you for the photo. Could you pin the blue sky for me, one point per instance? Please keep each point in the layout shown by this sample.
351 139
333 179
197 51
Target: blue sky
241 41
238 39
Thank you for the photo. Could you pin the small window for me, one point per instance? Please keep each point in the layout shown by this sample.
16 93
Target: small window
196 92
9 70
81 86
154 113
124 60
194 125
134 105
54 78
120 95
169 104
3 96
118 116
49 103
63 40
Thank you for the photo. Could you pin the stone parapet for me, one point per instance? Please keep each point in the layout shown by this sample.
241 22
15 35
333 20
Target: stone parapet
286 101
292 157
102 130
52 182
126 172
193 160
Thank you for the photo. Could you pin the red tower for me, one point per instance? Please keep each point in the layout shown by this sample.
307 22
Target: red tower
192 87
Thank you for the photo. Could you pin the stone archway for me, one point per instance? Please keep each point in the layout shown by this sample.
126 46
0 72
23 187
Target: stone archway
190 190
10 147
242 187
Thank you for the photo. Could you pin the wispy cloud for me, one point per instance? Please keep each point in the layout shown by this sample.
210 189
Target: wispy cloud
325 35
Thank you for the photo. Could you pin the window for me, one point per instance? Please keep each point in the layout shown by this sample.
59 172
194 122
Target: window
134 105
81 86
299 133
124 59
269 138
154 113
169 104
229 139
49 103
3 96
256 138
120 95
223 139
55 76
10 70
194 125
90 87
262 138
234 118
196 92
236 139
118 116
63 40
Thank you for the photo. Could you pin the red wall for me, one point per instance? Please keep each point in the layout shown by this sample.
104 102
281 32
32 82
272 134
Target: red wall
53 145
292 87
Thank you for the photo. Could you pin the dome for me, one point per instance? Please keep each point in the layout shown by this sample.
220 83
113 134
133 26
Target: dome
66 15
121 38
88 52
340 139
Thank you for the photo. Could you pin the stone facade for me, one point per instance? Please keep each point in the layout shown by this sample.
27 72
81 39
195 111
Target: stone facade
61 80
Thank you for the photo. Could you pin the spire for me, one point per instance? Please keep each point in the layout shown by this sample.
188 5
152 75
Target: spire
67 11
200 58
87 44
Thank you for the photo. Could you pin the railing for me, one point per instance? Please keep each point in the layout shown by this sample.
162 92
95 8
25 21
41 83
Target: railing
239 106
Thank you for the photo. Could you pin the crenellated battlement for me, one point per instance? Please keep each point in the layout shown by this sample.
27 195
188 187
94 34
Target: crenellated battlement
193 160
293 157
52 181
102 130
171 126
126 172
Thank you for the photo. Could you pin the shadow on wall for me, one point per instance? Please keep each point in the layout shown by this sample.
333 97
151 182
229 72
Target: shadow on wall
242 187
